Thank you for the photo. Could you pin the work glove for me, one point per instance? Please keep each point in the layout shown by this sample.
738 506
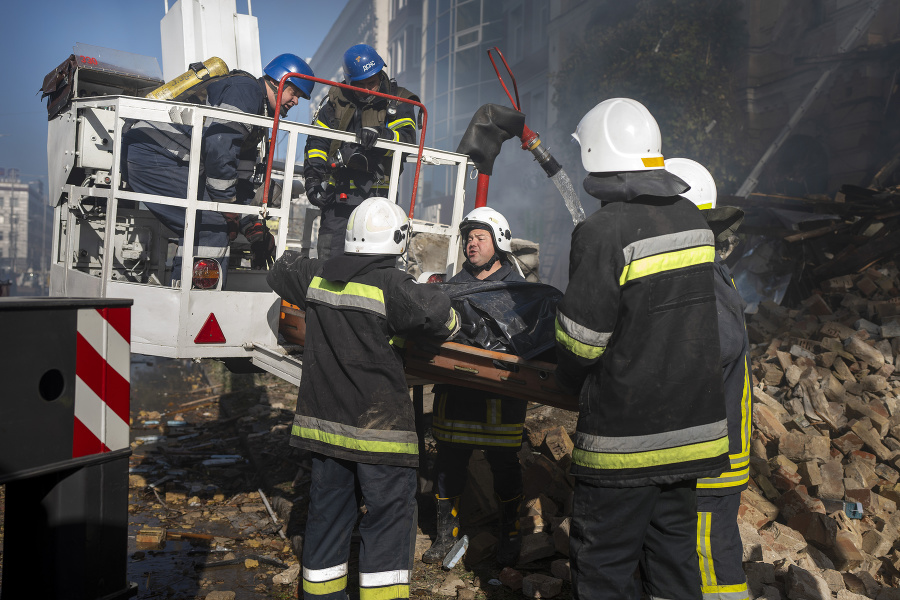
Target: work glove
262 245
368 136
232 224
315 192
349 156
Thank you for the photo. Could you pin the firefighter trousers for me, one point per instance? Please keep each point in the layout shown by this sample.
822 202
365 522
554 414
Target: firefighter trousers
150 172
388 529
452 466
720 548
616 530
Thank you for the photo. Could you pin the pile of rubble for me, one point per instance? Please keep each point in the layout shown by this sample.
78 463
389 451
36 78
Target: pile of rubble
820 517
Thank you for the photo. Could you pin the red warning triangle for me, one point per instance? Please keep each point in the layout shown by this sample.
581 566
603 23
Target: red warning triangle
210 333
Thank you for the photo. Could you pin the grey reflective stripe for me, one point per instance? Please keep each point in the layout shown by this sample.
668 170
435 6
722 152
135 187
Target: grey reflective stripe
241 128
167 136
656 441
383 578
667 243
345 300
479 427
731 479
321 575
357 433
582 333
737 463
220 184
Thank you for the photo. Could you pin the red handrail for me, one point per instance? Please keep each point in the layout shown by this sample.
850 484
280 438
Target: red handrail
412 202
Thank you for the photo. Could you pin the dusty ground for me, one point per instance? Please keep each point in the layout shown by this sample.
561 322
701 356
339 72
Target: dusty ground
205 442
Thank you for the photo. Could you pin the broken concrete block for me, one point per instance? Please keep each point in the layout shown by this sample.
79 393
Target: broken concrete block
535 547
287 576
800 584
871 439
816 528
751 516
832 486
221 595
810 474
876 543
561 569
511 578
561 537
771 374
558 446
834 579
799 446
781 541
785 480
450 585
541 586
797 501
765 421
847 443
844 552
752 498
864 352
874 383
151 538
481 547
465 594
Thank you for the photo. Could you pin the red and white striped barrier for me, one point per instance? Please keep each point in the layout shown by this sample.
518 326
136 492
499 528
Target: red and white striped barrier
102 381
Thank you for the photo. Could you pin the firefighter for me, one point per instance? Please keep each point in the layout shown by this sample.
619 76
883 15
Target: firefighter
156 160
340 175
637 339
719 498
465 419
353 412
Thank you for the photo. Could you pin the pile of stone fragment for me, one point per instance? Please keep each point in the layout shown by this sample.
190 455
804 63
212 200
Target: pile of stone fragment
820 517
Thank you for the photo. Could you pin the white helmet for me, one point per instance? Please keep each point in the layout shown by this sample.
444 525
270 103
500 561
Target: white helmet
703 186
618 135
489 219
376 226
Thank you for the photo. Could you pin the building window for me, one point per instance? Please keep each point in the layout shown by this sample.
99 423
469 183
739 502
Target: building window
397 54
517 33
541 19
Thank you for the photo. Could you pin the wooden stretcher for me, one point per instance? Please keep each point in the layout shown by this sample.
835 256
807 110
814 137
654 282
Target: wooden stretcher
463 365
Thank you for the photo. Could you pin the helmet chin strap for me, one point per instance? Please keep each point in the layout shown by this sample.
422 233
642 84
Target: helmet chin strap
476 270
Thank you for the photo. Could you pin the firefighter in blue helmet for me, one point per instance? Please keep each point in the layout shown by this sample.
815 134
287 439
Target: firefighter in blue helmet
353 409
719 543
340 175
155 158
637 338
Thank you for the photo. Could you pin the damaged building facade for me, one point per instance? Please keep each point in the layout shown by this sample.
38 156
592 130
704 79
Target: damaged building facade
438 48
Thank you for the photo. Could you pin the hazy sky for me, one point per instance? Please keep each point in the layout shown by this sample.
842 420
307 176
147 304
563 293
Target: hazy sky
37 35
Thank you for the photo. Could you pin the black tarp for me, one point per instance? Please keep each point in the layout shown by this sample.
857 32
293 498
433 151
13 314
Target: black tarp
505 316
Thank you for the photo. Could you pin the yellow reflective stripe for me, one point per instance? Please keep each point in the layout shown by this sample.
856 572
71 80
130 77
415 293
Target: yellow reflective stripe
321 124
725 480
704 549
706 206
575 347
326 587
480 440
451 321
317 154
469 426
668 261
348 289
746 422
343 441
384 593
654 161
652 458
398 341
404 122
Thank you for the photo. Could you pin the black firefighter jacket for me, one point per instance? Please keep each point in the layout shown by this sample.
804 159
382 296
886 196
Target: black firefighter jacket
474 418
735 362
637 335
354 401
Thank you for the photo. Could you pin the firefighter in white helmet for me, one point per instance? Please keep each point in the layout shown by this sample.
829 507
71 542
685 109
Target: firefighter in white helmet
637 338
465 419
719 543
353 411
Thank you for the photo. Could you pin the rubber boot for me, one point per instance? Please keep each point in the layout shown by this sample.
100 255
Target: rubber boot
510 539
447 530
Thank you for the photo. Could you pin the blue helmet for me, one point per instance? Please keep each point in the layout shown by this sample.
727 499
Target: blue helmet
361 62
291 63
